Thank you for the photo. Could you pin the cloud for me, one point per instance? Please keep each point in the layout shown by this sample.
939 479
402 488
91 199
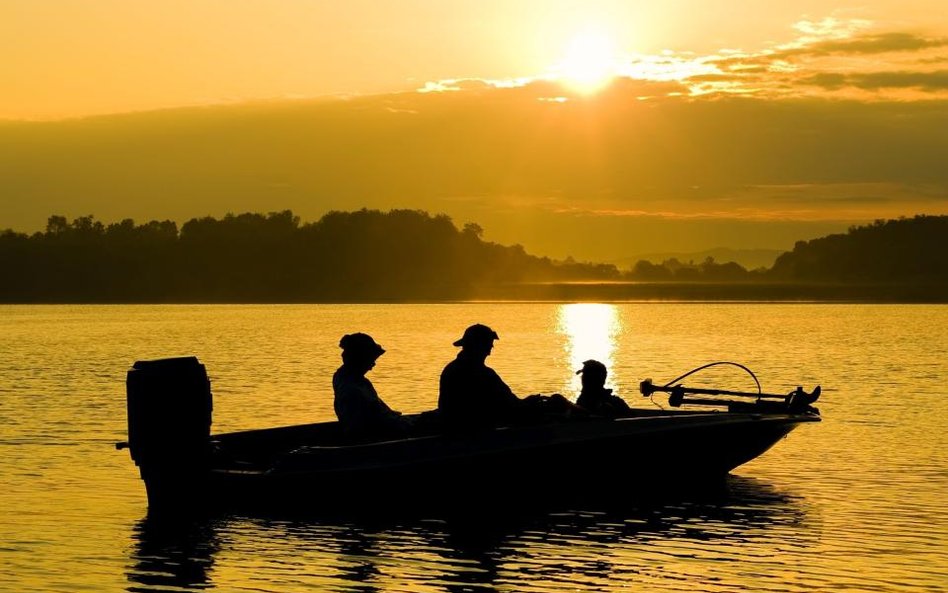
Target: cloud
830 27
550 90
876 44
826 80
646 88
926 81
459 84
833 61
873 44
867 44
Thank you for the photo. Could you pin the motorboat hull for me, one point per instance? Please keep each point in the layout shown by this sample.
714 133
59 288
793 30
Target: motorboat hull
566 460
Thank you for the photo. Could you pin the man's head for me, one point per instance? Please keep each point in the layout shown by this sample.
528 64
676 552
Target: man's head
477 338
360 350
593 374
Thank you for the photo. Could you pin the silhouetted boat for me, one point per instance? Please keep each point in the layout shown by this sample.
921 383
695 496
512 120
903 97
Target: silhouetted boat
183 465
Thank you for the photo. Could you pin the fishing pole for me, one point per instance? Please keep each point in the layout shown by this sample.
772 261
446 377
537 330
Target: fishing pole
797 400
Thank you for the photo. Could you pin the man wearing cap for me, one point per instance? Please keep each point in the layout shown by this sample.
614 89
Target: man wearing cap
360 410
471 393
594 396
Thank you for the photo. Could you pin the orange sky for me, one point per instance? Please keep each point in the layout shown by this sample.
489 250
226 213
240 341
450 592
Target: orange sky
651 126
66 58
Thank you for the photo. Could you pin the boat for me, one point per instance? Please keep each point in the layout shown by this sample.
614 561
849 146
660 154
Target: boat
704 435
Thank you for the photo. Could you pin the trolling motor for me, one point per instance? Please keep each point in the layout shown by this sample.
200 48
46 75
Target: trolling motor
797 401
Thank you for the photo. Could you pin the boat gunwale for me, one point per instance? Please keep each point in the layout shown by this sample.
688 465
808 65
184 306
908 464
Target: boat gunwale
394 453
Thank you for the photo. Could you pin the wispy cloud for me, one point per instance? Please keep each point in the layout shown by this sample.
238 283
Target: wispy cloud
836 57
830 27
474 84
926 81
744 214
875 44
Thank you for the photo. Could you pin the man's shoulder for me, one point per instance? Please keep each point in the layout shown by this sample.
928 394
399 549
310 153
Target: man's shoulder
338 378
342 381
455 366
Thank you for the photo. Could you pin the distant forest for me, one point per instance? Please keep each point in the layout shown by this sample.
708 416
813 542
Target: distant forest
345 256
907 250
406 255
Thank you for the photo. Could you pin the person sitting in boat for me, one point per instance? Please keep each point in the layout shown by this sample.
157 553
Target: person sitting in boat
472 395
360 410
594 396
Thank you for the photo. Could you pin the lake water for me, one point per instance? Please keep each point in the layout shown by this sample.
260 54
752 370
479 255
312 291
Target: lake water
858 502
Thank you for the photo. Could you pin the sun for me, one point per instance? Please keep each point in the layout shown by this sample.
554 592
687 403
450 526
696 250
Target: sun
589 64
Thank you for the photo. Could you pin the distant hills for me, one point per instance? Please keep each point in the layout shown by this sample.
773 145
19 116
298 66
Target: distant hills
908 252
748 258
410 255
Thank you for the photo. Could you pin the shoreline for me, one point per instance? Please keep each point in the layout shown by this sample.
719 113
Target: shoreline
560 292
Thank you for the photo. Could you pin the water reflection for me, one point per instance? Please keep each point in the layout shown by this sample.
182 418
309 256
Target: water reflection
591 330
357 559
173 554
612 547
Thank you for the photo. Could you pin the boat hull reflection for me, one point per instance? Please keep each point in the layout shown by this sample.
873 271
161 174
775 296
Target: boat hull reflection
594 547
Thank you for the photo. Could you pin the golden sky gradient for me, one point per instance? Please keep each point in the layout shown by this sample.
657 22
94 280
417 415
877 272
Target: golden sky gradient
67 58
654 126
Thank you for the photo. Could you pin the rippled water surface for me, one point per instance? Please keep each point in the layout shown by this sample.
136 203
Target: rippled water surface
858 502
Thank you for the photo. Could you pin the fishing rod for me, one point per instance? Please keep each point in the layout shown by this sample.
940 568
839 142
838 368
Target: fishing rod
796 401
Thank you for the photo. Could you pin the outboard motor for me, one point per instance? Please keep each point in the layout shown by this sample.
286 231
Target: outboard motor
169 427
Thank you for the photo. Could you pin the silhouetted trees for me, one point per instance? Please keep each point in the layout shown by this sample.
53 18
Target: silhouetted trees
903 251
673 270
344 256
907 250
403 255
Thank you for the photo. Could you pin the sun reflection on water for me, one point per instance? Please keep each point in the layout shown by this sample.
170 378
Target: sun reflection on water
591 330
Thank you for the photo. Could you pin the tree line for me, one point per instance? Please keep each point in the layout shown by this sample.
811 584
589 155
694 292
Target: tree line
344 256
905 250
899 251
400 255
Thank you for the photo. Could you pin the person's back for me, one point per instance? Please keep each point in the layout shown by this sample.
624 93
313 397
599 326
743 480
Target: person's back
471 394
358 406
360 410
474 394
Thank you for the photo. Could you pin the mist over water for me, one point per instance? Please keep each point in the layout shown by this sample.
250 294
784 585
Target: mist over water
855 503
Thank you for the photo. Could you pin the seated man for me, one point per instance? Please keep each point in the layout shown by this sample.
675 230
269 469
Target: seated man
360 410
471 393
594 397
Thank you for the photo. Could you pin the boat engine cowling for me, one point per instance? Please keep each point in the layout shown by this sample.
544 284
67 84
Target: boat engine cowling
169 425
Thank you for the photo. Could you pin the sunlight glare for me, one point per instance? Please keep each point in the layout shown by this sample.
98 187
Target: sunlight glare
590 62
591 330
